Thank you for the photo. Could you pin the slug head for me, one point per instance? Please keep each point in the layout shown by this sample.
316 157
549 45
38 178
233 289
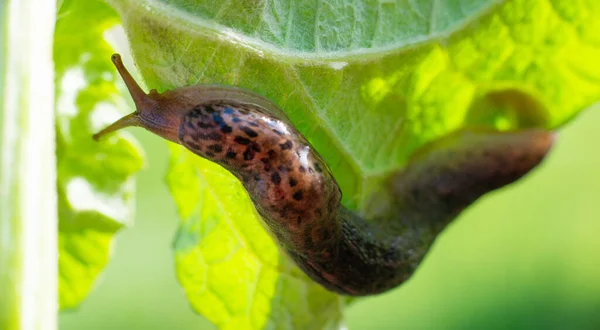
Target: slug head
159 113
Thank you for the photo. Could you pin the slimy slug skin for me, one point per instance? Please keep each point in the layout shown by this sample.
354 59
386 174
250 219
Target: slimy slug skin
298 198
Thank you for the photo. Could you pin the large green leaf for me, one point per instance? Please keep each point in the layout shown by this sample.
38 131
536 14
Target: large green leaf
368 82
94 179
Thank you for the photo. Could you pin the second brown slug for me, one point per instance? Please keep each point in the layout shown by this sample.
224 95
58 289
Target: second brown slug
296 195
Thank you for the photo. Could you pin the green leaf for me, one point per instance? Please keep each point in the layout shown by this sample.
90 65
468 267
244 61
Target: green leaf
368 83
95 181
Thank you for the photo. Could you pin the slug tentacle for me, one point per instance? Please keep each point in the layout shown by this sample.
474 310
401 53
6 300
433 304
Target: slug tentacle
139 97
131 119
299 200
158 113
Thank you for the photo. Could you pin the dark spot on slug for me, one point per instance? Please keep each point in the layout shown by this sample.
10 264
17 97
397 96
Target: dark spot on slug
249 154
292 182
210 136
286 145
228 111
209 154
299 220
249 131
241 140
243 111
298 195
275 178
236 119
252 123
226 129
255 146
208 109
216 148
302 169
218 119
277 132
271 153
267 164
251 151
318 168
204 125
192 144
230 154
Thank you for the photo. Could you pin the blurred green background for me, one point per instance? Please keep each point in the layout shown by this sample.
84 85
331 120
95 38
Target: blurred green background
524 257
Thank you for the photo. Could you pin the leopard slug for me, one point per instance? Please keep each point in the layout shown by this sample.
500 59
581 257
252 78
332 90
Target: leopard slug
298 198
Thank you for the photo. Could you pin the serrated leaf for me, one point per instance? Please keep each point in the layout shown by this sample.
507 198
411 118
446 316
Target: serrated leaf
94 179
368 83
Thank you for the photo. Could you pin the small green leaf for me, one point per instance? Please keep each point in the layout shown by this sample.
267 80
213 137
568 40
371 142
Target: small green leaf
94 179
368 83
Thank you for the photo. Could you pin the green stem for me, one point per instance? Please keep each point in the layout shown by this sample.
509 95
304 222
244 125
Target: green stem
28 216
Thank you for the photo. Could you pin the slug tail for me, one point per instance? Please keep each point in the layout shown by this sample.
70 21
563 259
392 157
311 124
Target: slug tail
446 177
439 182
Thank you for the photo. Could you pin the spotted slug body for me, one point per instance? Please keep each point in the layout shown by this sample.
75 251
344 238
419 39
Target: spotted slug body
298 198
287 180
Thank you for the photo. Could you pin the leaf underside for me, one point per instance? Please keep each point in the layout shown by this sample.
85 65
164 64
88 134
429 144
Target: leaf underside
368 83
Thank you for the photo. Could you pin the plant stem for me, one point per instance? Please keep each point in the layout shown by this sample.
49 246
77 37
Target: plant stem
28 215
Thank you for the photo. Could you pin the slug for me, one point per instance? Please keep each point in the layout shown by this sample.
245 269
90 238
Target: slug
298 198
